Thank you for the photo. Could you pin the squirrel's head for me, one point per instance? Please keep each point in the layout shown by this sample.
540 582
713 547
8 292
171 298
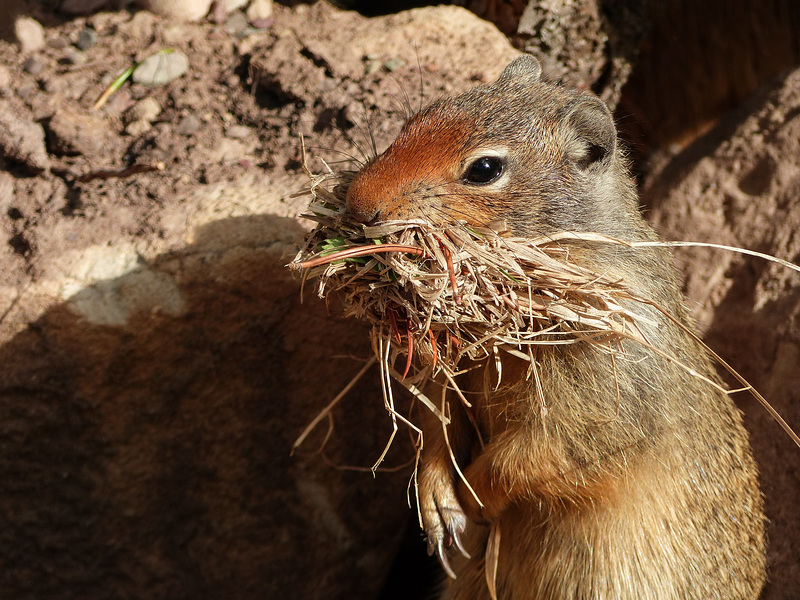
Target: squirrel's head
538 156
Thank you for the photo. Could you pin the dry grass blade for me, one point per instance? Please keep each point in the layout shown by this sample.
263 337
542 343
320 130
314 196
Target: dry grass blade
327 410
776 260
492 559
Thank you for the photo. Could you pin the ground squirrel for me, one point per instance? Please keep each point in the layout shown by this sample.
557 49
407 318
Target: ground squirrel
637 482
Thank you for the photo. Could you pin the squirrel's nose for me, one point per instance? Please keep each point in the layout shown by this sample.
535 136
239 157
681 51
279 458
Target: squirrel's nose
361 204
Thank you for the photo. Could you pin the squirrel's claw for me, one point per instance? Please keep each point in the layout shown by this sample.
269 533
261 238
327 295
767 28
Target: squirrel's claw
456 537
444 527
441 554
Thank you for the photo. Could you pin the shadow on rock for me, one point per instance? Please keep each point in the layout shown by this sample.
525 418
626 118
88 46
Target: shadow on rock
759 338
146 426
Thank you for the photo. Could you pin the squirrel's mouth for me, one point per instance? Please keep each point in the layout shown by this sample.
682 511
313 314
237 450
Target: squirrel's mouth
442 294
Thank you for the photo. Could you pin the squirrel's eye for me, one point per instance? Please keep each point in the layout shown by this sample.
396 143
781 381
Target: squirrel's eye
484 170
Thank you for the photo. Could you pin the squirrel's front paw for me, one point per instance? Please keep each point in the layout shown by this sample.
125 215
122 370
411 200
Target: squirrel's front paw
443 519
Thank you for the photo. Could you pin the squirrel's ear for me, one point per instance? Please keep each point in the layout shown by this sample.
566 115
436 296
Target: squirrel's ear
523 69
590 132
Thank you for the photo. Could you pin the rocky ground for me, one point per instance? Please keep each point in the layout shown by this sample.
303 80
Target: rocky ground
157 363
740 186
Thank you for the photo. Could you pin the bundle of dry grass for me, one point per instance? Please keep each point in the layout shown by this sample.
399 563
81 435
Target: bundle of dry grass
440 295
445 296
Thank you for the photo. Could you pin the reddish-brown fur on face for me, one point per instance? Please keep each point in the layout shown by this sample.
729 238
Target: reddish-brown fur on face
425 155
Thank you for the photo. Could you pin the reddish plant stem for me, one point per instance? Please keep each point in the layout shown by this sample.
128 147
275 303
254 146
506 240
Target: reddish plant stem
357 251
410 336
452 271
433 349
393 321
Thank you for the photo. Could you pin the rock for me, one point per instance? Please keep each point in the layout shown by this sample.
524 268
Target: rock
393 64
71 133
188 125
232 5
30 34
5 76
119 102
51 85
302 58
32 65
72 56
178 10
112 303
141 25
81 7
22 141
26 89
673 96
58 43
550 30
144 405
285 71
7 195
236 23
259 10
739 186
160 69
262 23
237 132
147 109
86 38
137 92
137 128
228 150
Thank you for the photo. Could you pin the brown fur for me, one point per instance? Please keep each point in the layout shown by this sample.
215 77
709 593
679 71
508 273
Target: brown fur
635 480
